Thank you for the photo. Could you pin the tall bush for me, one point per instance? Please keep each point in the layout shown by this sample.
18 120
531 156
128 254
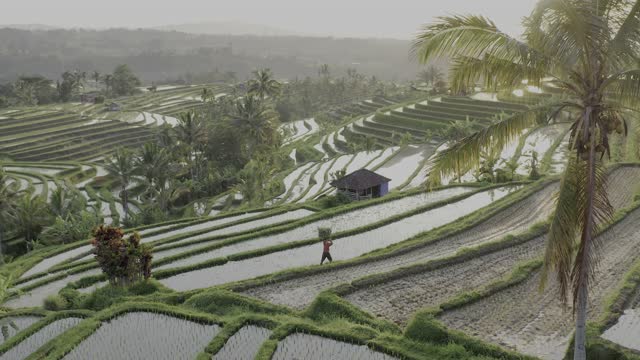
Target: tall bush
123 260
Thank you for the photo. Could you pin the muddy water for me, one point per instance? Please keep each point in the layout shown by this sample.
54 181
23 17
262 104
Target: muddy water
289 180
255 224
196 227
402 166
143 335
319 177
343 249
627 331
35 297
339 223
312 347
21 322
55 260
41 337
244 344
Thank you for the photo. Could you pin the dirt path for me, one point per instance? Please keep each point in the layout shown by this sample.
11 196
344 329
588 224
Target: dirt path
536 323
399 299
300 292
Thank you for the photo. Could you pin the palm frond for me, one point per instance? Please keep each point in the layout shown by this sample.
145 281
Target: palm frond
569 253
595 211
473 37
466 154
624 88
627 38
495 73
564 31
563 232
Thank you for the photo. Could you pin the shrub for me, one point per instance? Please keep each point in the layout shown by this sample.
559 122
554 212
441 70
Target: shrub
108 295
123 260
426 329
55 303
328 202
70 229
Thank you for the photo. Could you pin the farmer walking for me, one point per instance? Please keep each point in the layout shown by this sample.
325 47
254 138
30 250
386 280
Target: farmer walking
325 235
325 253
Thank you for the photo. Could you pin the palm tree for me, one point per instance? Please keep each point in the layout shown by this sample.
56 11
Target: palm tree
8 200
6 322
191 134
431 75
29 215
589 50
264 85
122 166
324 71
152 163
369 144
66 200
108 82
206 94
254 121
96 76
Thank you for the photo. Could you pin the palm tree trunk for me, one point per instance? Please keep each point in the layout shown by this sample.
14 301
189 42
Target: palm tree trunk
580 349
125 202
1 244
580 346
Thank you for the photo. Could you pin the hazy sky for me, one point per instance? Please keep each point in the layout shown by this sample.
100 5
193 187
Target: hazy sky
362 18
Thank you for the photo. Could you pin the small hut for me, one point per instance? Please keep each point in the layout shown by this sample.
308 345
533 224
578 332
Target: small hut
362 184
114 107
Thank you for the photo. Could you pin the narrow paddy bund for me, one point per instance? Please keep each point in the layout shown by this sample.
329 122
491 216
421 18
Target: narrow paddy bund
536 323
41 337
21 322
344 222
343 249
301 291
512 220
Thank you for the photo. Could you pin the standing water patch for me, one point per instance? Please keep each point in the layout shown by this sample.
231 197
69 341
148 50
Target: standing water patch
20 323
344 248
41 337
311 347
627 331
144 335
244 344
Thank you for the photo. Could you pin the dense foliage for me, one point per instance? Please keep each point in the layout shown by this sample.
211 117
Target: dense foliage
38 90
123 259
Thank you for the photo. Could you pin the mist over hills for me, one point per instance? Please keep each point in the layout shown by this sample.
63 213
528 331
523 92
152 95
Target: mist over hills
228 28
157 55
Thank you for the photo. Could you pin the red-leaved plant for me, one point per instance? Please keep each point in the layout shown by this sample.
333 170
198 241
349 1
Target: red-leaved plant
123 260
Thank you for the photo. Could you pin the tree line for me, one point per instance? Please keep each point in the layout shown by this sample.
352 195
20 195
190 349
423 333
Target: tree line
38 90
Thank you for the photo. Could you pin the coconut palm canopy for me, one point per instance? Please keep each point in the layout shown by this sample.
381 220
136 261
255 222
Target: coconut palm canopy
590 50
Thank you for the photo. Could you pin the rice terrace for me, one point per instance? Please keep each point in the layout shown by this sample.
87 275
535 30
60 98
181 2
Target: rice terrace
460 182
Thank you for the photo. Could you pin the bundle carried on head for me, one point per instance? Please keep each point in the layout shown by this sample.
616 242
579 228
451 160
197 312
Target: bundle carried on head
324 233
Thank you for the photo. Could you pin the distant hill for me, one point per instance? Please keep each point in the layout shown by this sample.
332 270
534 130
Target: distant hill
228 28
157 55
29 27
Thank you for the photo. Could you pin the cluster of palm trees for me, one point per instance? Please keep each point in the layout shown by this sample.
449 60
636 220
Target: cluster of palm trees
203 155
301 98
30 217
590 50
